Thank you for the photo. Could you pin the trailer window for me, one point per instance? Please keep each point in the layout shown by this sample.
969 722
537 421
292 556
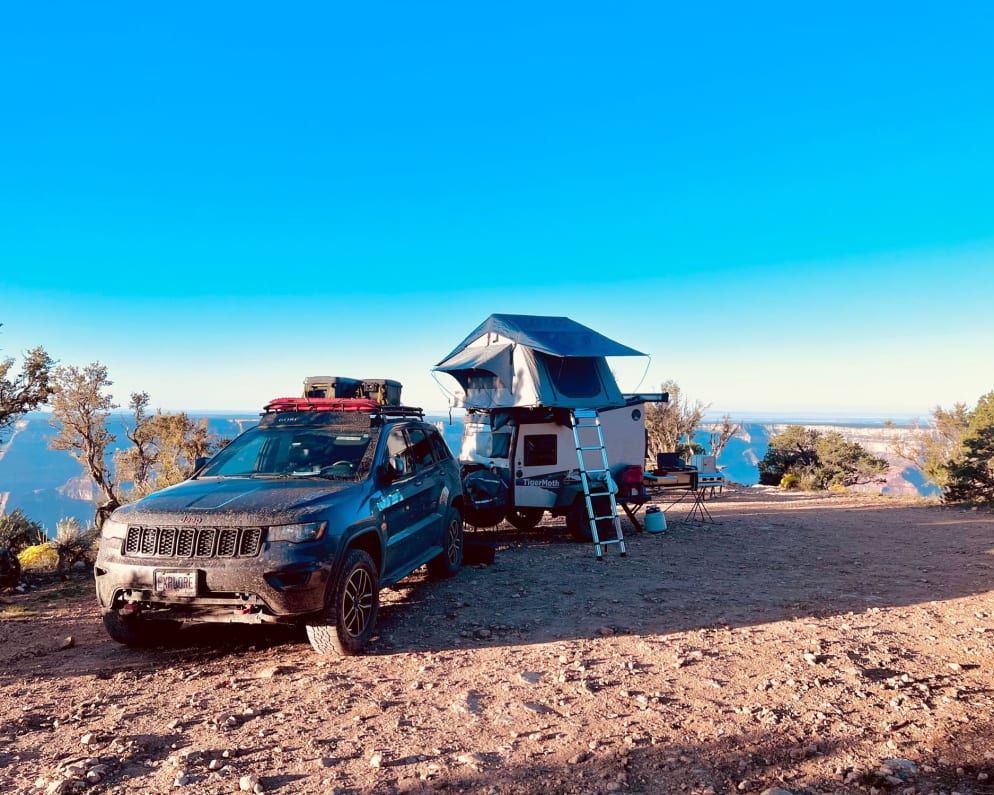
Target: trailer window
540 450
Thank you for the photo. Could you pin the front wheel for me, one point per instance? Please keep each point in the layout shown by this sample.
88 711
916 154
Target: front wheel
350 614
138 632
449 561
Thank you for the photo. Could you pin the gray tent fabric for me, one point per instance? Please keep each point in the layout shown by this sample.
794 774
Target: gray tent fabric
559 336
492 358
530 361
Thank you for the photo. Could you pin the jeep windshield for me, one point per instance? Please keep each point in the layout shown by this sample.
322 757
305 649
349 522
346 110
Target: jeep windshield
293 453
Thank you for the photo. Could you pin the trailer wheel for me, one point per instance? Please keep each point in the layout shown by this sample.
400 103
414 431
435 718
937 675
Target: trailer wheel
578 523
525 518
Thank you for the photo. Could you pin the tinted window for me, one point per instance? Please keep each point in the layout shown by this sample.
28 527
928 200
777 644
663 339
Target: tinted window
442 451
398 450
294 452
420 447
540 450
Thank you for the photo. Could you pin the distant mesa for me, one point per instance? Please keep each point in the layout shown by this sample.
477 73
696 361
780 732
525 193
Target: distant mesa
78 488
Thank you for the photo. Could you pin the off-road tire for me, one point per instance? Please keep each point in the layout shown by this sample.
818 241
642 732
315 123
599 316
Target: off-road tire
347 623
449 561
138 633
525 518
578 523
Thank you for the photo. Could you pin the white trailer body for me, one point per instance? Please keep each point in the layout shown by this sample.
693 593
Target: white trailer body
535 453
522 377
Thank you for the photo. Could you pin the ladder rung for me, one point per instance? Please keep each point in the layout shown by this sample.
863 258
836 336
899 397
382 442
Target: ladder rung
591 447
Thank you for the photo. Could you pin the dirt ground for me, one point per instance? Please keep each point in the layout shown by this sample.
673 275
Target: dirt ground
811 643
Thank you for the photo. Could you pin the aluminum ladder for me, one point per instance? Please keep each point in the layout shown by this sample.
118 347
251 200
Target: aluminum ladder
589 437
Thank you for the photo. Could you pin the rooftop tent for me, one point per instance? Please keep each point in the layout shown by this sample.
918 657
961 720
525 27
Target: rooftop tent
530 360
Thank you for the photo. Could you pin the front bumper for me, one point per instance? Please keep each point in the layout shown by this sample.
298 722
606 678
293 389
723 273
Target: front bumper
278 585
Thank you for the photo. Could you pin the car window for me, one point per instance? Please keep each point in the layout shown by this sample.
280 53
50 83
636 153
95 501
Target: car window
420 447
442 451
241 457
399 451
316 452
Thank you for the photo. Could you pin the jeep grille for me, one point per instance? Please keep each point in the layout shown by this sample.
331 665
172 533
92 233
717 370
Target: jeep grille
193 542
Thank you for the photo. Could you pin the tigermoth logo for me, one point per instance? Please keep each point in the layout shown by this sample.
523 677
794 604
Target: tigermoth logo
542 483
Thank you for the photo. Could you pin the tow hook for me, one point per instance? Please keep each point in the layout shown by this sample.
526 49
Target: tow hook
246 610
130 610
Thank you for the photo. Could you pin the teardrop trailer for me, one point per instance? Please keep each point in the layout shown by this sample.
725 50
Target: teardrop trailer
302 519
546 428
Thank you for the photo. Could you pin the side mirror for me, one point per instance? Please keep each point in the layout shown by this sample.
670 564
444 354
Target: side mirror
392 469
200 463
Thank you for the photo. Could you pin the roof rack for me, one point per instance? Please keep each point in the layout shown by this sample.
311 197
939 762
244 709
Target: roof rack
346 405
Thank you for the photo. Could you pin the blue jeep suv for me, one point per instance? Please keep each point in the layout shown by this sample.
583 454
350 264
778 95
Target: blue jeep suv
301 519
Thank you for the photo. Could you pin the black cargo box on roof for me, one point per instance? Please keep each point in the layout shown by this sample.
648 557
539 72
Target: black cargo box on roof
382 390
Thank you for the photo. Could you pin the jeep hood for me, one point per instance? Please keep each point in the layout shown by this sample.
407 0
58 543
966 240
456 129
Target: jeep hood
237 500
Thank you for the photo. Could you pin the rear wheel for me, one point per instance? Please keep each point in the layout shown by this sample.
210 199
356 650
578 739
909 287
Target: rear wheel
350 614
448 563
525 518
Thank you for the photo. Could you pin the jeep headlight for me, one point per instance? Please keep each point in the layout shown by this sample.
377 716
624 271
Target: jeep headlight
297 533
113 529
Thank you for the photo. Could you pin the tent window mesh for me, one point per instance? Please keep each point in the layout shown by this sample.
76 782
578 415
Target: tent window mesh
575 376
480 379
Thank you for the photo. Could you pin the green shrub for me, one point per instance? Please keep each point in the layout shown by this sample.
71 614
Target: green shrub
17 532
74 543
819 460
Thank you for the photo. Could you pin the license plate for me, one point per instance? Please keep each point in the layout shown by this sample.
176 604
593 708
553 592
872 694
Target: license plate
176 583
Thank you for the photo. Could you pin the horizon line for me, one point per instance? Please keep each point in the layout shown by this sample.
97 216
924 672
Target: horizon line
710 416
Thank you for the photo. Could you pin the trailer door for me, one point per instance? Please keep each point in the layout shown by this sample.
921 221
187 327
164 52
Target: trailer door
544 455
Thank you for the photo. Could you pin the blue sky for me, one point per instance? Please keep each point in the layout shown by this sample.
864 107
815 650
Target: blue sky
791 209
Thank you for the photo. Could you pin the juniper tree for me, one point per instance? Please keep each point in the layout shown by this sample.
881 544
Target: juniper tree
26 390
80 407
970 474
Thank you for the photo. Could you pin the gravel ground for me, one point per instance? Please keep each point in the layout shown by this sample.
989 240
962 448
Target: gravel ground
811 643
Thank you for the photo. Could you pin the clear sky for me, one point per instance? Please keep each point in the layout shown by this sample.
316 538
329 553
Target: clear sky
790 207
